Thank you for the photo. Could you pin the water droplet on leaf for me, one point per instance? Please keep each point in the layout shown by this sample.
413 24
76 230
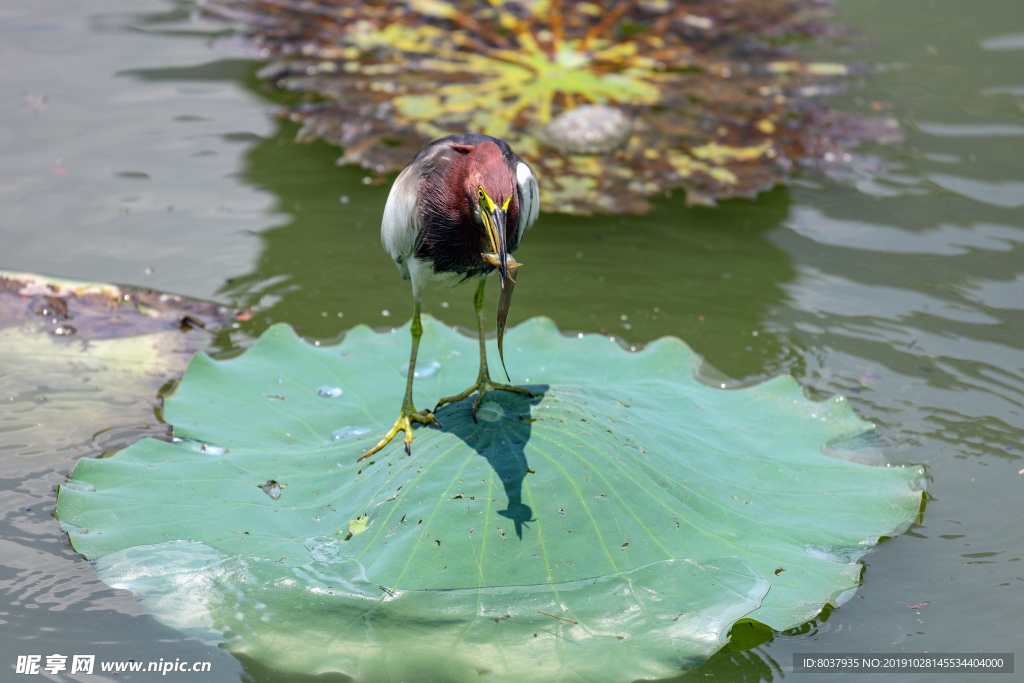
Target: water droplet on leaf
423 370
346 432
490 411
199 446
323 549
75 485
271 488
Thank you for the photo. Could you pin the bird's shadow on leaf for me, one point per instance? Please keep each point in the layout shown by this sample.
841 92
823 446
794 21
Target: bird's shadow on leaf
500 434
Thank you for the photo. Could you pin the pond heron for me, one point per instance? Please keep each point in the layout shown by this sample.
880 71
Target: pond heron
457 212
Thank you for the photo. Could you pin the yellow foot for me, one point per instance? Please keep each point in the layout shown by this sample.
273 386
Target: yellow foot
483 386
403 423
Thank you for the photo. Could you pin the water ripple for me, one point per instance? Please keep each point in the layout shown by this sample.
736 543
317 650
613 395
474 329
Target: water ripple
945 240
1012 41
829 294
1008 194
972 130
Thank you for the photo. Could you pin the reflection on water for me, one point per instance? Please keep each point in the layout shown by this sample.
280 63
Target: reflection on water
905 293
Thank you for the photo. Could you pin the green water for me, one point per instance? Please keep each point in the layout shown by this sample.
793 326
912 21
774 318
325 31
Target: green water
135 147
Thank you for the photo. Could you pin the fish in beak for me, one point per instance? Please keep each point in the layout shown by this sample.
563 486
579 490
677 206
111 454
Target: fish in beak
504 301
494 219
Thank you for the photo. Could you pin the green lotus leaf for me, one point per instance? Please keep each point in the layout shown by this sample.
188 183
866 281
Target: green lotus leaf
613 527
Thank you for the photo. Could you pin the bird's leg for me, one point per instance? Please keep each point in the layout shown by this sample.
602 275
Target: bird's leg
483 380
408 412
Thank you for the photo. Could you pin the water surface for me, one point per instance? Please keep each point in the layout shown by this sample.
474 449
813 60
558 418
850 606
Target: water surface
136 147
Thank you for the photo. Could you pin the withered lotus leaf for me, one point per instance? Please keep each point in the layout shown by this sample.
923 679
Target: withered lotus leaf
610 105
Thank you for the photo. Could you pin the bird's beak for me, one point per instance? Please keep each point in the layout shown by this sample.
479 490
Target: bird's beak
498 218
494 218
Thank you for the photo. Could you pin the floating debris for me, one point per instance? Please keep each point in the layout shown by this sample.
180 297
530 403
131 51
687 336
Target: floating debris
556 617
358 525
100 311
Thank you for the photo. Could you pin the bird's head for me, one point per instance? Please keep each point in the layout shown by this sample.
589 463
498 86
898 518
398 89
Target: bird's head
491 187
